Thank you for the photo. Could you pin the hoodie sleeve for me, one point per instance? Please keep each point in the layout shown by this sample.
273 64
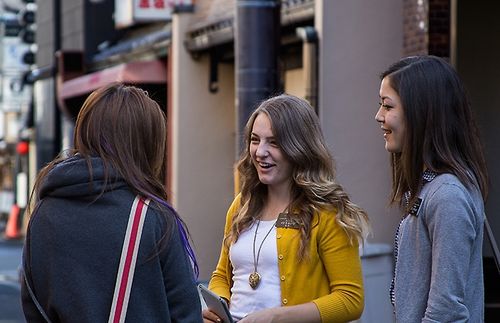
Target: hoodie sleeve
31 312
180 285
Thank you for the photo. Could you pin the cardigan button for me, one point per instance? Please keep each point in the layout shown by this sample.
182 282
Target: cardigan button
283 277
280 257
285 301
278 236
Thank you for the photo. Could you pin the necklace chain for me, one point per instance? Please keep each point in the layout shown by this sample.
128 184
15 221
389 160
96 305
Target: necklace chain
254 278
256 260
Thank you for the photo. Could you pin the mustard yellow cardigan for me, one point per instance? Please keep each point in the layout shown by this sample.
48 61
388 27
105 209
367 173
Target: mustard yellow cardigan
331 277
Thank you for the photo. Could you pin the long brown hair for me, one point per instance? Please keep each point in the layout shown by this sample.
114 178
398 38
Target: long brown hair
441 132
297 132
126 129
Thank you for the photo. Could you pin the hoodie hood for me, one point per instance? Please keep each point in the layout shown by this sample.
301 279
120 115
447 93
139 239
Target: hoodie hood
72 178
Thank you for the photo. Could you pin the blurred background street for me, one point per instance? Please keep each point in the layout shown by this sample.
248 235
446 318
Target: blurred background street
10 290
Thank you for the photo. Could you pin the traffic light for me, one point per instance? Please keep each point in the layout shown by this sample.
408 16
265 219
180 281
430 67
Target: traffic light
27 20
11 27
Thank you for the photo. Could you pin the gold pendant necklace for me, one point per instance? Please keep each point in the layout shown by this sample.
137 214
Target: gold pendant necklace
254 278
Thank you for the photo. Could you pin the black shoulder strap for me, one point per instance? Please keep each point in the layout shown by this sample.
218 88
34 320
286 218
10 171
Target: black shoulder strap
493 243
33 298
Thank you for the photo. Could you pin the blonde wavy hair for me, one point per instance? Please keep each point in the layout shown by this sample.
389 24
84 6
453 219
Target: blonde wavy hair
297 132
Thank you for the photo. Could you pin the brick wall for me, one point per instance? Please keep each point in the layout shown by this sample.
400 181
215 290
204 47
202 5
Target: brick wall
426 27
415 26
439 28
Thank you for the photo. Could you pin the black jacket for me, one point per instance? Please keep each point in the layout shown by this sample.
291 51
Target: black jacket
73 249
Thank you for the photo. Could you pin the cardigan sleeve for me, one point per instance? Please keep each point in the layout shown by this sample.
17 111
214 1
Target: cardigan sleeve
342 264
221 280
452 228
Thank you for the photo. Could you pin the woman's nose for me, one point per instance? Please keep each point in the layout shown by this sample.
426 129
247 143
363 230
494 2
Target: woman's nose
379 115
262 150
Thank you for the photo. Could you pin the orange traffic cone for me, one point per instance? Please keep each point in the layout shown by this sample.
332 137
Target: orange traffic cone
12 228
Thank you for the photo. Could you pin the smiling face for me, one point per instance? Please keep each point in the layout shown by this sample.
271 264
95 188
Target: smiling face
391 117
271 164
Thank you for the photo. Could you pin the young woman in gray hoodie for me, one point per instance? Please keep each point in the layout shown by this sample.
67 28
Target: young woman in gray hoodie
82 204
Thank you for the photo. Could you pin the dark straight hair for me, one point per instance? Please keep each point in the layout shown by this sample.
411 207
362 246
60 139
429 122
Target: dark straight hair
441 132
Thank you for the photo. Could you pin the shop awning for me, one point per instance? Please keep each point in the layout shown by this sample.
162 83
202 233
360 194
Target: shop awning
151 72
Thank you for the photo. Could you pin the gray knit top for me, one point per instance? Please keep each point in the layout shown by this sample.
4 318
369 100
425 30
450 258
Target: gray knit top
438 274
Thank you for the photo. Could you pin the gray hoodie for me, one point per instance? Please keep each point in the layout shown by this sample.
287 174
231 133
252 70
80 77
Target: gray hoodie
73 248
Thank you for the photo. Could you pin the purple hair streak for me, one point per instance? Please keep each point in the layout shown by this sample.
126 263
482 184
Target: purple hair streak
184 236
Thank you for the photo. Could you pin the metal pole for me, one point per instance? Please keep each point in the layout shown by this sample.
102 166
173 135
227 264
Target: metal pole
257 42
309 38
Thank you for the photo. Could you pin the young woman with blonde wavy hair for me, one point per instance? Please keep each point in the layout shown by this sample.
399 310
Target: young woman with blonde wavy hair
290 249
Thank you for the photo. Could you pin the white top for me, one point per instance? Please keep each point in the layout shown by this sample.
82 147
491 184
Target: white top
244 299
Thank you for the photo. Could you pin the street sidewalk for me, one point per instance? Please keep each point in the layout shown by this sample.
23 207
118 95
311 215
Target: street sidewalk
10 258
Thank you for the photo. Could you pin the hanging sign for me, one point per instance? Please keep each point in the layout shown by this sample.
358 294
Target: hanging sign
131 12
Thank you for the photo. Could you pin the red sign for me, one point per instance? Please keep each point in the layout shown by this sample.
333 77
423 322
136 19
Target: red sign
130 12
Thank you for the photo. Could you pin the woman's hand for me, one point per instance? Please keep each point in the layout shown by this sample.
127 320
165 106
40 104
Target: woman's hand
264 316
302 313
209 316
